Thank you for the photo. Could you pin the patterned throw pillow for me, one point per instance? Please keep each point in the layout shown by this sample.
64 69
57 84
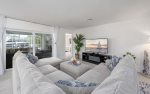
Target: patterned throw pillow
76 87
75 83
111 63
32 59
144 88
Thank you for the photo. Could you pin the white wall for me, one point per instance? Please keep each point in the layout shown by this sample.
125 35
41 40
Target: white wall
61 42
124 36
2 65
28 26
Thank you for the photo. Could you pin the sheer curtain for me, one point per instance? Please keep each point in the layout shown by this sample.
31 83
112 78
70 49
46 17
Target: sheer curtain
54 42
2 53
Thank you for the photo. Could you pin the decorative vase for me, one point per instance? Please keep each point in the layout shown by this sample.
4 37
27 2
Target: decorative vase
78 62
77 56
146 63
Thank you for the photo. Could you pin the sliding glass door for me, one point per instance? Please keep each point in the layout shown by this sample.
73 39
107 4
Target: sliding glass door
39 44
17 41
43 45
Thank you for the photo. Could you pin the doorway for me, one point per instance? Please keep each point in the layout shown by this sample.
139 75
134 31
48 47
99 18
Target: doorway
68 45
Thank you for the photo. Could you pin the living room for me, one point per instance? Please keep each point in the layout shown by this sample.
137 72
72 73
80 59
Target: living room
47 30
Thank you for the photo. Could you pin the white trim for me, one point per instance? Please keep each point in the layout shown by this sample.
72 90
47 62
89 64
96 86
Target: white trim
7 17
54 50
28 26
4 43
33 40
4 48
31 31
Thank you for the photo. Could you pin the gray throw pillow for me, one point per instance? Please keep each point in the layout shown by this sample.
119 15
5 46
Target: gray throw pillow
111 63
33 59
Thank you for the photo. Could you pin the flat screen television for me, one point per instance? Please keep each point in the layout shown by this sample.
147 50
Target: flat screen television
97 45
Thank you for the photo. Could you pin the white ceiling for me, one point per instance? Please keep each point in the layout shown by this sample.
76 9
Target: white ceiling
74 13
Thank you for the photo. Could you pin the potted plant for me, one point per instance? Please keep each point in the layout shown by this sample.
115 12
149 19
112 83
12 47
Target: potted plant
78 40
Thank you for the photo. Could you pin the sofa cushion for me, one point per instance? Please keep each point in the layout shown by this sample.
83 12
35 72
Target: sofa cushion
96 75
16 55
25 67
76 87
123 79
45 61
74 70
47 69
36 83
16 79
59 75
33 81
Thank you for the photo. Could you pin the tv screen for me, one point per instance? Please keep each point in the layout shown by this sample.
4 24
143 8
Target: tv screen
97 45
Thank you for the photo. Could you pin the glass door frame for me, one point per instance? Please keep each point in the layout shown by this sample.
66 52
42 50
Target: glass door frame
21 30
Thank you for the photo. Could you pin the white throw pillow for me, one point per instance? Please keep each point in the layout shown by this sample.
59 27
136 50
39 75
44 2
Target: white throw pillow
123 79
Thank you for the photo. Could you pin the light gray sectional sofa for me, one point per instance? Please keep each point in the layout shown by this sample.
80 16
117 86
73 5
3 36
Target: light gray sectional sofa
29 79
52 61
41 79
96 75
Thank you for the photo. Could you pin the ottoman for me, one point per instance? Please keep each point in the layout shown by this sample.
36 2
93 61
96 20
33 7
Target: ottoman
75 70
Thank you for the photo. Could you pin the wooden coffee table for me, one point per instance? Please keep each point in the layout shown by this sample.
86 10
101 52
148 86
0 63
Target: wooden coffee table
76 70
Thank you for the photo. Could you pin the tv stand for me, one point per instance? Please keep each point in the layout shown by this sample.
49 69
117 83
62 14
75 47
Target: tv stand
95 58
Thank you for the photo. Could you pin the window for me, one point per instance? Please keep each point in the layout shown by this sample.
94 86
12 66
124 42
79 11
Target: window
23 41
17 41
43 45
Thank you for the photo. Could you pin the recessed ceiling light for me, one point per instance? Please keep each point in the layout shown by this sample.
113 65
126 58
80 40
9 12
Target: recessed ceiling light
90 19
